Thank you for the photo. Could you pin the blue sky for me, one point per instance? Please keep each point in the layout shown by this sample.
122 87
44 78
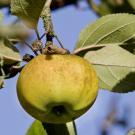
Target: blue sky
68 23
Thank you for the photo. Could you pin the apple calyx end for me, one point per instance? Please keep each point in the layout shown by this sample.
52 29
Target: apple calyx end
59 110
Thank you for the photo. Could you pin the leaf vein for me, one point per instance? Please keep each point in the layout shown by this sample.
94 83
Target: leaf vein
23 9
112 65
106 35
95 31
102 80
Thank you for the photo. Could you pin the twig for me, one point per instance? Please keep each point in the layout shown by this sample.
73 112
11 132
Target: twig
37 33
53 49
31 48
42 36
27 57
37 46
59 41
48 25
77 51
46 16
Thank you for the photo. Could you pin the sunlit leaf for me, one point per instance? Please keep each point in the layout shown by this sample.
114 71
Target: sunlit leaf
13 31
28 10
36 129
9 53
109 45
115 68
116 28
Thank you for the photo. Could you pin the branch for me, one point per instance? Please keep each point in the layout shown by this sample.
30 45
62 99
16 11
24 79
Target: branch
53 49
46 17
48 25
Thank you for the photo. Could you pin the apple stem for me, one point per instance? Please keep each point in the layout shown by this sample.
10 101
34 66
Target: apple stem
29 46
53 49
57 129
59 41
37 34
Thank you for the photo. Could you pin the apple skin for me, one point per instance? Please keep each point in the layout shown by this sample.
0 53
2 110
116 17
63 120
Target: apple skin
57 88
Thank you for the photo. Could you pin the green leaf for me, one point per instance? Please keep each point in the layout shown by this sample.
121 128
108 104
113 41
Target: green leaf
9 53
8 73
36 129
132 3
28 10
109 45
51 129
115 28
115 67
9 56
13 31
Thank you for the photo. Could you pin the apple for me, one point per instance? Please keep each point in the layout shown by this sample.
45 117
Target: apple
57 88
